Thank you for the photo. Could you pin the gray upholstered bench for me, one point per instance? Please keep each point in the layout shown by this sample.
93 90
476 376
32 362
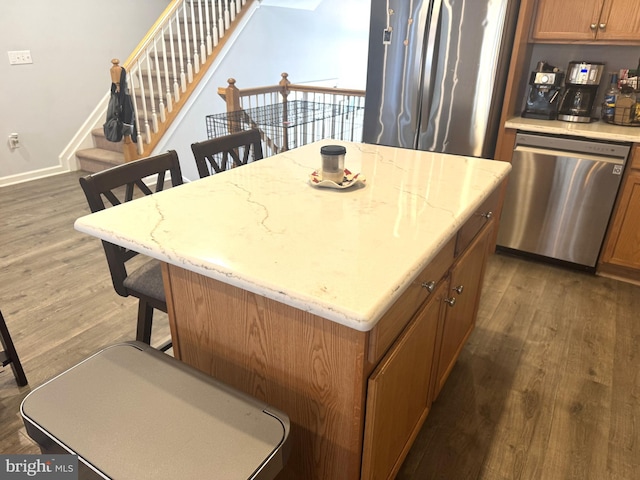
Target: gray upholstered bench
130 411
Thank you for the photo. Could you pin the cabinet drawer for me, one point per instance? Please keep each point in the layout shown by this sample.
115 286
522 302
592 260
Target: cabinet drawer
478 220
397 317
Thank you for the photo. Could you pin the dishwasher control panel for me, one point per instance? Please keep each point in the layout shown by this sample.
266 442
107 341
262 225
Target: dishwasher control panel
605 149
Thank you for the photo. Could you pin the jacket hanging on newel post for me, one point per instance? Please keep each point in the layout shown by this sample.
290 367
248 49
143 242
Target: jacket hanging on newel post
120 114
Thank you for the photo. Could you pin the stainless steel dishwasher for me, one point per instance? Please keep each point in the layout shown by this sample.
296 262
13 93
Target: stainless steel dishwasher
560 197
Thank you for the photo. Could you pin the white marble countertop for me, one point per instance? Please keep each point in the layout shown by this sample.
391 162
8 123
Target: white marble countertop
597 130
345 255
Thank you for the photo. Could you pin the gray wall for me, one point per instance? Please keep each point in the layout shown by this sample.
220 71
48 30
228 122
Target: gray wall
71 43
330 42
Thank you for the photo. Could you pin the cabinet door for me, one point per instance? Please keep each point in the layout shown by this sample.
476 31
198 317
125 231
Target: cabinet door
462 303
623 243
399 393
620 21
566 20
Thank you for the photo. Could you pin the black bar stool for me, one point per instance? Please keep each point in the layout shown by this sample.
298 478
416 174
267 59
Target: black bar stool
9 355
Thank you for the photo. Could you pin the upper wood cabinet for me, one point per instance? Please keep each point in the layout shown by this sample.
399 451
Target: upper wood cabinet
602 21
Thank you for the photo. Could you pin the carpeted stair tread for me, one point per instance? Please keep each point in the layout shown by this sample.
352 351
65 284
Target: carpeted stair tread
97 159
108 156
99 141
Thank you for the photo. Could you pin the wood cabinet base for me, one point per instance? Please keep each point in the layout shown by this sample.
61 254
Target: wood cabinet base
308 367
620 256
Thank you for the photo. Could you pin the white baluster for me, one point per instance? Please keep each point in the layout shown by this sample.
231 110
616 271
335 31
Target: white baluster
227 16
196 55
132 89
216 22
203 47
232 9
221 28
154 115
167 81
159 78
208 18
174 64
188 45
183 76
147 128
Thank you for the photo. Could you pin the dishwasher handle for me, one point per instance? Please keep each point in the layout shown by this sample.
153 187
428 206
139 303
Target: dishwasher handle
562 153
576 147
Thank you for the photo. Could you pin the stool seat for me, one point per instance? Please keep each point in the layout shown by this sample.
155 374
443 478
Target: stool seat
130 411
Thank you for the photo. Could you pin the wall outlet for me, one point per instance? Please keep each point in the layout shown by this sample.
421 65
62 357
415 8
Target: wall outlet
14 141
20 57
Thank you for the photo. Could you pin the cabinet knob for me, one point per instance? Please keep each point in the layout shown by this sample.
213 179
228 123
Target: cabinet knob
430 286
450 301
603 26
459 289
593 26
487 215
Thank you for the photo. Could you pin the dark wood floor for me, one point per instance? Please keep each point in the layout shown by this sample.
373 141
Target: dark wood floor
548 386
55 292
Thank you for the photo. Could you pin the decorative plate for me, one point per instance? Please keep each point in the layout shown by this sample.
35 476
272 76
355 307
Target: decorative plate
350 179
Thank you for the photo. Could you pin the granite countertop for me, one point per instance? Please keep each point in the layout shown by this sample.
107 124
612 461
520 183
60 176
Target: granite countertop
345 255
596 130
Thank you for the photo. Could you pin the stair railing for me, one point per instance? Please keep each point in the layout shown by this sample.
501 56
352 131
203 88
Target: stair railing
290 115
168 63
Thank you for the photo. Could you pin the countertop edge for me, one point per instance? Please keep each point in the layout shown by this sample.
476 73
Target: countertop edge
596 130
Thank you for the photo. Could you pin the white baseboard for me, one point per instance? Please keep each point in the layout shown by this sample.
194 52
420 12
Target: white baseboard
32 175
67 159
82 138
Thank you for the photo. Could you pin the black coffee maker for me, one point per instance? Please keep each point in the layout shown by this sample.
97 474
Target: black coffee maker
581 87
545 84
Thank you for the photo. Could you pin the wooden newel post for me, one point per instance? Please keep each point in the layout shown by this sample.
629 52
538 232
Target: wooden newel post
284 91
115 71
232 98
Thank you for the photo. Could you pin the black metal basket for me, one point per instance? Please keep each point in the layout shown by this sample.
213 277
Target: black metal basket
292 124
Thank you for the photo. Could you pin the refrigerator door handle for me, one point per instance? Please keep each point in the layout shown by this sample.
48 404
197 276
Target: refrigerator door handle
428 64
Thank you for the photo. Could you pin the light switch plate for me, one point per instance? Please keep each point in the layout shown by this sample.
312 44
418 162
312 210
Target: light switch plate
20 57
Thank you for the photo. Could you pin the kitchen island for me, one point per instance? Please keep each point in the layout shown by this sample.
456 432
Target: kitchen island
326 303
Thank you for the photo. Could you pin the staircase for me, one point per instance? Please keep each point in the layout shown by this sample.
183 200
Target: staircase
163 72
103 155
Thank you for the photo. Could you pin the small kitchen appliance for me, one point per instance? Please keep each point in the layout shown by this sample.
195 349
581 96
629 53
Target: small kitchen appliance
581 87
545 84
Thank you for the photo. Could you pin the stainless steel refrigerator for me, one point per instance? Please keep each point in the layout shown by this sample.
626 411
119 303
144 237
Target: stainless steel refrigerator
436 73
